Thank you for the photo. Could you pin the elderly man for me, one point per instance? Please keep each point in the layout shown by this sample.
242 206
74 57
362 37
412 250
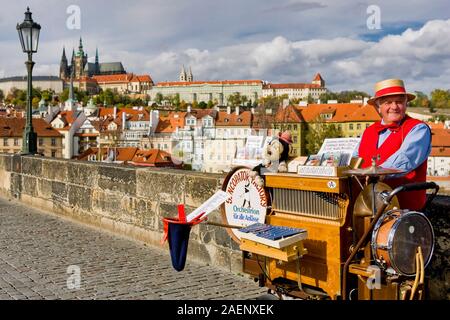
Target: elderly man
397 141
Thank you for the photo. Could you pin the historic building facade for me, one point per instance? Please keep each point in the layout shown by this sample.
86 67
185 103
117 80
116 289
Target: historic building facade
80 67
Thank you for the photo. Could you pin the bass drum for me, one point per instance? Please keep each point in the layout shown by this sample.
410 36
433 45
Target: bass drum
395 239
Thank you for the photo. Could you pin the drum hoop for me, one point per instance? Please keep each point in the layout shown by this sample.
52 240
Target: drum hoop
391 239
375 231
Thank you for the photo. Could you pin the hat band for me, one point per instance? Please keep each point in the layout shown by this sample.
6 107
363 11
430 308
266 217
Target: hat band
389 90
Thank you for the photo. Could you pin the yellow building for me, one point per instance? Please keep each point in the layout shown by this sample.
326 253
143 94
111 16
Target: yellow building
49 141
290 118
351 118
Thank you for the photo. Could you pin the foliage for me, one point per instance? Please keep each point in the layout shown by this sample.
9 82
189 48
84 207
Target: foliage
440 98
317 132
343 96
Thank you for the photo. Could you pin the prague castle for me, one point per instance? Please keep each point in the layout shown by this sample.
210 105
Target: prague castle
80 67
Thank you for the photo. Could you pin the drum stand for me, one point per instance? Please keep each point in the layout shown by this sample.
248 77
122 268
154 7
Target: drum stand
419 280
360 268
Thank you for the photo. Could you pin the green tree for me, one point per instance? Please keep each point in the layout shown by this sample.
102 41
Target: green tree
175 100
2 95
159 98
421 101
317 132
440 98
324 97
35 102
202 105
234 99
183 105
347 96
210 104
47 95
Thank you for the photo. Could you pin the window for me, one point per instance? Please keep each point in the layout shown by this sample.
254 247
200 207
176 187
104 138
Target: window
350 126
295 127
53 153
5 142
53 141
358 126
295 139
367 125
16 142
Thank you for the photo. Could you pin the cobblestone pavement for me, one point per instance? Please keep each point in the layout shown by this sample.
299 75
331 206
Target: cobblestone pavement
37 251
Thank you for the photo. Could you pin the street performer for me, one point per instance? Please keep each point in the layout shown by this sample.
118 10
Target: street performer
397 141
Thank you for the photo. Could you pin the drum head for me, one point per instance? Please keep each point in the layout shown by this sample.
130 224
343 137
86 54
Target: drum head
410 231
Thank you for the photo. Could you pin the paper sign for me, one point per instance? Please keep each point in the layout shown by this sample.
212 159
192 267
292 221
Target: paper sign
210 205
342 145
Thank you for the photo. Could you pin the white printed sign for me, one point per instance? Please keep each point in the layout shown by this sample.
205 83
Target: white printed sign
248 202
210 205
342 145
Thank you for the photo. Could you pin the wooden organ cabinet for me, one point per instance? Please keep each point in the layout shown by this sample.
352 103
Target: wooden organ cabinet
321 205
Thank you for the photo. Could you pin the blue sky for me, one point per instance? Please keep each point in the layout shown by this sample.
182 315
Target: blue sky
276 41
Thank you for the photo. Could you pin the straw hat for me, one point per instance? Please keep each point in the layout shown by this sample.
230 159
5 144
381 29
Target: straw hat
286 136
390 87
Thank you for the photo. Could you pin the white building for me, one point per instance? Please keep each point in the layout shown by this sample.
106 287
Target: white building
68 123
42 82
215 91
232 130
296 90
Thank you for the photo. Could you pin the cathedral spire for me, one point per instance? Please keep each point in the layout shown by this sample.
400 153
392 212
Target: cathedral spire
183 74
73 56
63 66
96 55
190 77
63 58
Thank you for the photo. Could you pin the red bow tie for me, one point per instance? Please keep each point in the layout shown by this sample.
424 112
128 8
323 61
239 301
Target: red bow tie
394 127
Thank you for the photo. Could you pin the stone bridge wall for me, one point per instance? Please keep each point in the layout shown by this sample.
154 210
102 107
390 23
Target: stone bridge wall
125 200
132 202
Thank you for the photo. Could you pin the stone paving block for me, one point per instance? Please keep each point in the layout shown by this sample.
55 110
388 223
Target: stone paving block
36 250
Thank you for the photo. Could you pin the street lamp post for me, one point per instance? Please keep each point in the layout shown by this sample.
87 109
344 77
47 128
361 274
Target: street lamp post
29 38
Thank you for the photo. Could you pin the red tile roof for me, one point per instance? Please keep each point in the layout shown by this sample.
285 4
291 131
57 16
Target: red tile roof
342 112
13 127
153 158
318 77
291 86
121 78
440 152
244 119
122 154
223 82
440 137
288 114
133 114
170 123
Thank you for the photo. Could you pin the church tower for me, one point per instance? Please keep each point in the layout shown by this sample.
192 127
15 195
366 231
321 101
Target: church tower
80 61
318 80
190 77
63 66
183 75
97 64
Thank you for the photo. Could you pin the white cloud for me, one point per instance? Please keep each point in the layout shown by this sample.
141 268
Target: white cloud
242 40
415 56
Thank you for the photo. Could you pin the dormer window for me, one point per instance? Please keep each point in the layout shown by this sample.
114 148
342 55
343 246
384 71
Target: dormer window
326 116
226 120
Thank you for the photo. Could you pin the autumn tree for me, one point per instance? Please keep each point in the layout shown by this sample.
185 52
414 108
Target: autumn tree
317 132
440 98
